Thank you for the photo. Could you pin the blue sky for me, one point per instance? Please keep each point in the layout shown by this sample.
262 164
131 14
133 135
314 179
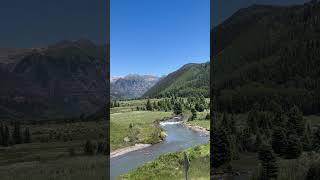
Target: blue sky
158 36
38 23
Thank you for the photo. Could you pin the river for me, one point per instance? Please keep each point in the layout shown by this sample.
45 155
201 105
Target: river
179 138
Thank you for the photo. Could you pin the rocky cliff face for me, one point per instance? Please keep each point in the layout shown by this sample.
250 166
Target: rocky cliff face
64 80
131 86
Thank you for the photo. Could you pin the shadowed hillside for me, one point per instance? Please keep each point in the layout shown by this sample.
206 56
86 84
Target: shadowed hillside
66 79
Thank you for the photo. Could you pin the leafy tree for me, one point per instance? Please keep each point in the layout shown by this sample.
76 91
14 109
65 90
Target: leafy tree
268 162
199 107
177 109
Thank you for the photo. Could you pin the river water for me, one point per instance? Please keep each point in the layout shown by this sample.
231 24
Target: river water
179 138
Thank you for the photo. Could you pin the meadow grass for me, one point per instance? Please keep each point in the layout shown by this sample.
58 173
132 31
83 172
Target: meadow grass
170 166
68 168
201 120
48 156
137 126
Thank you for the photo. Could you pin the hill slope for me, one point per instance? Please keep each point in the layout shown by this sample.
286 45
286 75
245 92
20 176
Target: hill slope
191 79
268 54
63 80
131 86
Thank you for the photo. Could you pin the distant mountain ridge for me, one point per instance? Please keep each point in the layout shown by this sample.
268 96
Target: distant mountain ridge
63 80
131 86
190 80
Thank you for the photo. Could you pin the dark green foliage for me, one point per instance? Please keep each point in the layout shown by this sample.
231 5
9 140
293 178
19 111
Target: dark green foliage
253 118
17 138
149 106
194 114
199 107
307 138
313 172
6 137
1 134
88 148
100 147
293 148
295 121
208 116
316 140
220 148
268 162
27 136
190 80
279 140
72 151
268 54
177 109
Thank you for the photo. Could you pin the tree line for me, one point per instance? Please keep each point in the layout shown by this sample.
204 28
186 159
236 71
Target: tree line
10 137
270 134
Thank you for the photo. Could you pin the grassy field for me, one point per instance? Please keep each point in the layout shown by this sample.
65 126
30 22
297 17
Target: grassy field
136 127
201 120
56 152
66 168
170 166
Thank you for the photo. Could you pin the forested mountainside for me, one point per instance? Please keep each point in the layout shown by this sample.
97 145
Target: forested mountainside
268 54
131 86
190 80
67 79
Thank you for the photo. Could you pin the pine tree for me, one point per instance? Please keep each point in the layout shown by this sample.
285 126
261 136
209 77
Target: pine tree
194 114
155 106
253 118
293 147
232 125
17 133
6 137
220 149
149 105
27 137
208 116
316 140
225 122
1 134
88 148
268 162
258 140
306 140
296 121
279 140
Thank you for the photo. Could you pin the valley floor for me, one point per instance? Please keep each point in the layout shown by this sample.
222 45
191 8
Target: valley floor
56 152
140 127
